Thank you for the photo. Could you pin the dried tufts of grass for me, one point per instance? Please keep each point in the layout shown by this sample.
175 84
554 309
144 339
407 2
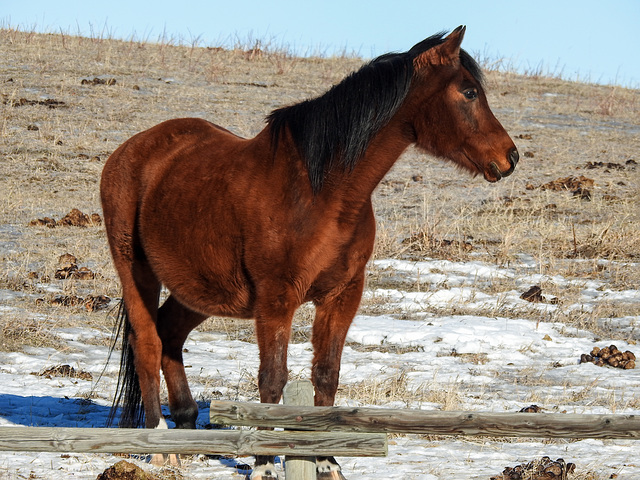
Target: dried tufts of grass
16 336
397 389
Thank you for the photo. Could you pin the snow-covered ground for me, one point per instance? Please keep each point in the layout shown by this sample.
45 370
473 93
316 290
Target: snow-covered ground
497 362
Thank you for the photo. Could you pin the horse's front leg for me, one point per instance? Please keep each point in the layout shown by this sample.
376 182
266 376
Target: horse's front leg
273 329
333 319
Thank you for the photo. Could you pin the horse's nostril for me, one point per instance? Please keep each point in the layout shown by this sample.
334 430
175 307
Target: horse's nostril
514 156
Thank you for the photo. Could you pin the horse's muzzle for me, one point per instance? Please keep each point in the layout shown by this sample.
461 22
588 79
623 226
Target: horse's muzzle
513 157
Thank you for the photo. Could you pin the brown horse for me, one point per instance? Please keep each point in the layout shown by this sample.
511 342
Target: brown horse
254 228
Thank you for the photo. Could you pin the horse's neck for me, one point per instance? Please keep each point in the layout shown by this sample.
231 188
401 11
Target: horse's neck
340 184
384 150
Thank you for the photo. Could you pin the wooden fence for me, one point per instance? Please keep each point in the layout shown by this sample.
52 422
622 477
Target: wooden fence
310 431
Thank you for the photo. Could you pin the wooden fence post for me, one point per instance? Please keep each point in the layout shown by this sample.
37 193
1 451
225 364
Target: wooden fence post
299 392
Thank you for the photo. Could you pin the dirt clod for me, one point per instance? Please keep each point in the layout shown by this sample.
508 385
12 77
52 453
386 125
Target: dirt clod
43 222
91 302
571 184
75 218
65 371
98 81
543 469
610 356
531 409
96 302
605 165
66 260
124 470
68 268
49 102
534 295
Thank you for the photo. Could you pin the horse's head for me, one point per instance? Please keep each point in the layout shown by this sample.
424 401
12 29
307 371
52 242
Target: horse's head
451 118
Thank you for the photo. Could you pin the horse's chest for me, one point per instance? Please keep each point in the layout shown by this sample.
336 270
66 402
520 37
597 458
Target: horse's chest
344 258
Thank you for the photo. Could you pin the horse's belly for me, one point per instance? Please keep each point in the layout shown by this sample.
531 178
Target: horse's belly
213 296
204 274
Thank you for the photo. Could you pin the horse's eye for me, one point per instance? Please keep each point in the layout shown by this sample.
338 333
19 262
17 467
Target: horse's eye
470 94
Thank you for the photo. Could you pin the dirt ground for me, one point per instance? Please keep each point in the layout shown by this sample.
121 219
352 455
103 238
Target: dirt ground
67 102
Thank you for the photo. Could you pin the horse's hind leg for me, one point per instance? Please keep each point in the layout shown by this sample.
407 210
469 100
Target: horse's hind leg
333 319
175 321
140 286
140 291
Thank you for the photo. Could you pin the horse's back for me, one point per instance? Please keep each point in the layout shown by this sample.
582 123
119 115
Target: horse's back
142 163
162 143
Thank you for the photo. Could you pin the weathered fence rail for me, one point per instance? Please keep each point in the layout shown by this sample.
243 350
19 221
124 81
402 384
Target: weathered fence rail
236 442
348 419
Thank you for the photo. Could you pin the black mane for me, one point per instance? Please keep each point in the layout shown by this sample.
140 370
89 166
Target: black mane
337 127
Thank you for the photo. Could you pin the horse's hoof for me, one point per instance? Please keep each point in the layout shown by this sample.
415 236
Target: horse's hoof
327 469
264 472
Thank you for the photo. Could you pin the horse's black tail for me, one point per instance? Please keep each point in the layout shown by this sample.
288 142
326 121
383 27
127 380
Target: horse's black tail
128 394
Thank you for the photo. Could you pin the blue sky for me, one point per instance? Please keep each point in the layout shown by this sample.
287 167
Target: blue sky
589 40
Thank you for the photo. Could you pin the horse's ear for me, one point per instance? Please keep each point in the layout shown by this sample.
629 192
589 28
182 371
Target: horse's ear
447 53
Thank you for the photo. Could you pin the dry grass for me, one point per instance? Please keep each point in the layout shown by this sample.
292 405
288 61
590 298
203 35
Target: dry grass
14 336
397 390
